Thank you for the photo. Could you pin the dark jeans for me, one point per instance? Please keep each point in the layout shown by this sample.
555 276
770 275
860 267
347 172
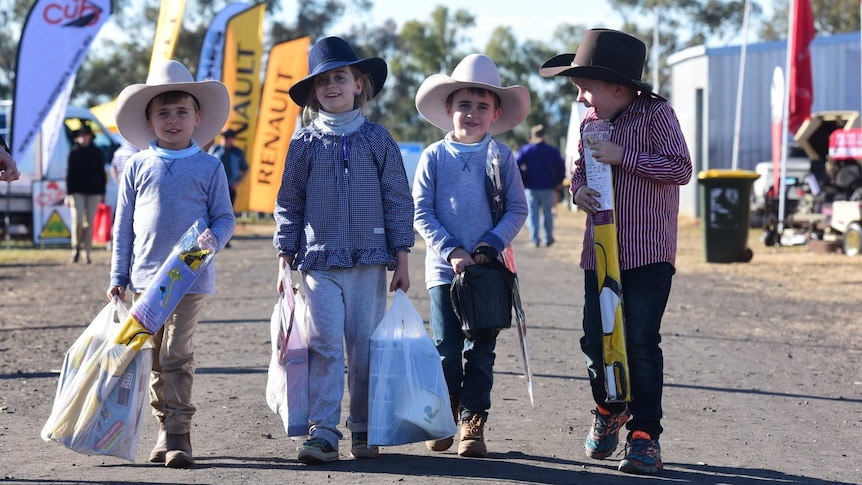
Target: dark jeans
471 383
645 293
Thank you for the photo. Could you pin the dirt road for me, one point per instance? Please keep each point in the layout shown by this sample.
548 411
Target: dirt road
763 367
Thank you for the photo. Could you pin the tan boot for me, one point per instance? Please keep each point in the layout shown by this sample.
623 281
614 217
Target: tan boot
472 436
161 448
179 453
446 443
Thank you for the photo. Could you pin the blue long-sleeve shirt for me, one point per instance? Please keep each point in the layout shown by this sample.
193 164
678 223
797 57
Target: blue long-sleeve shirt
452 207
161 194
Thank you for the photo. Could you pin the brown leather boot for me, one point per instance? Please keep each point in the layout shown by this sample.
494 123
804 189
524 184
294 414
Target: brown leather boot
179 453
472 435
161 448
446 443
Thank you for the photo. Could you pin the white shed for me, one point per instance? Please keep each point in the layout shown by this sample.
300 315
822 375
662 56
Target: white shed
703 87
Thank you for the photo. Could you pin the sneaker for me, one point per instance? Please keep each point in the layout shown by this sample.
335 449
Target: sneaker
643 455
317 450
472 436
359 446
605 434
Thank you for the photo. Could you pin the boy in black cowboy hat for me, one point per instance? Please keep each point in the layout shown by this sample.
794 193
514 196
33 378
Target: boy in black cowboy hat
649 160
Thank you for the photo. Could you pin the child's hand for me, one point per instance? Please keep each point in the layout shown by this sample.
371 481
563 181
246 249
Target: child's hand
586 199
460 259
118 291
207 240
606 151
284 264
400 279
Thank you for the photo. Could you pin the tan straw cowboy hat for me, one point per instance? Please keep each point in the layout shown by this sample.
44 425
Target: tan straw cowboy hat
476 71
131 115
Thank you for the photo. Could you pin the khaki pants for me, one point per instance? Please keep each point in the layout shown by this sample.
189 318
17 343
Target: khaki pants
174 366
83 208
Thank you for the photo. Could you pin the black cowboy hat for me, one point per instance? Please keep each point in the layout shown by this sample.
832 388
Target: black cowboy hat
605 55
331 53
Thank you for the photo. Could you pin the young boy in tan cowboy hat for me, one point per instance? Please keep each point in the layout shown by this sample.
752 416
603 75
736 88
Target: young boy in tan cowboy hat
164 189
454 215
649 160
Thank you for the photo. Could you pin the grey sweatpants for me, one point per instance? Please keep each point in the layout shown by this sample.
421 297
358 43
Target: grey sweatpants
345 305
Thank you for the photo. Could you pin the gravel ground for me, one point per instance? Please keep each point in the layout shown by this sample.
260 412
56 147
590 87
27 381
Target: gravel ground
762 363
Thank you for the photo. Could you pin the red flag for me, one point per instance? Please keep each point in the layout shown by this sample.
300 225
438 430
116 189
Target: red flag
801 86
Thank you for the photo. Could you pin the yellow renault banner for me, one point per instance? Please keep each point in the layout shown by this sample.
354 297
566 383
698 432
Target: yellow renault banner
167 31
288 62
243 51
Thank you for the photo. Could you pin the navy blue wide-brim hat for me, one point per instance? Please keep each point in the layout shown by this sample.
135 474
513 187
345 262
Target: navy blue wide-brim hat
331 53
605 55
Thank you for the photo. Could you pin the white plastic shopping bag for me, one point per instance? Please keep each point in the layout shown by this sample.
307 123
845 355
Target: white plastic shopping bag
408 400
287 380
115 428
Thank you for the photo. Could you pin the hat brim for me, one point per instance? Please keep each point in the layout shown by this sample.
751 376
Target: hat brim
131 115
561 65
435 90
374 67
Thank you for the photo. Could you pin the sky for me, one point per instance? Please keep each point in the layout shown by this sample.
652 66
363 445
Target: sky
530 19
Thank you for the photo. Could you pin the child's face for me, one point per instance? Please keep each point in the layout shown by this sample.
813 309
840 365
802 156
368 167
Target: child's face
336 90
472 114
609 99
174 123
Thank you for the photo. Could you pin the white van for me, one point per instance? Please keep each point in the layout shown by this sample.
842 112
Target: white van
17 198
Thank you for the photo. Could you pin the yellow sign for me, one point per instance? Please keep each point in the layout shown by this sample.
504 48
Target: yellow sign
55 228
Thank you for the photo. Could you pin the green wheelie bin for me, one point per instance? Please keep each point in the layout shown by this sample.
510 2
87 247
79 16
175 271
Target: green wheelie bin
725 201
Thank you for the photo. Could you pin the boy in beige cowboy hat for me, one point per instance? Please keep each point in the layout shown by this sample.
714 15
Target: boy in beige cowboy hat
649 160
164 189
453 212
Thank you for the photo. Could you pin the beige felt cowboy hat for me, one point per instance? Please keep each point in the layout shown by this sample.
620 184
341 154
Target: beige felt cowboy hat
605 55
477 71
131 115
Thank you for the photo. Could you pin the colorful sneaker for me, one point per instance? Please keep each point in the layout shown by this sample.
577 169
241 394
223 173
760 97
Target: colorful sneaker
605 434
359 446
643 455
317 450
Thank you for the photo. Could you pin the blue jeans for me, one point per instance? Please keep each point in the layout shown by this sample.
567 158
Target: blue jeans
541 200
471 383
645 293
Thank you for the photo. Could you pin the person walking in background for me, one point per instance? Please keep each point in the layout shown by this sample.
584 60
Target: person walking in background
343 216
233 158
454 215
85 190
235 164
167 187
118 161
649 161
543 170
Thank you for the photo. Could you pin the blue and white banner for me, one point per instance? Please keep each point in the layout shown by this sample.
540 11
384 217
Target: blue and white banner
56 37
212 51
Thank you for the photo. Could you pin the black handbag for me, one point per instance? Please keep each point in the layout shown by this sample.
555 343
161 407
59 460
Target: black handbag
482 298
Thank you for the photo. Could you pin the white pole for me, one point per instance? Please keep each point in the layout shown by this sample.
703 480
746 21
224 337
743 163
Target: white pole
738 123
655 50
782 183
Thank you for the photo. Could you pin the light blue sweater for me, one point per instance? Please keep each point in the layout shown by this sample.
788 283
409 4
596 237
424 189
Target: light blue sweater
451 203
161 194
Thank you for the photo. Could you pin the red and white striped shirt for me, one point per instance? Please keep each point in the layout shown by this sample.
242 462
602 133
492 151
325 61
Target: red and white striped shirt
646 185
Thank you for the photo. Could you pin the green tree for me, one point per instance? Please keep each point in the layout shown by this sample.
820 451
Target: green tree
830 17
